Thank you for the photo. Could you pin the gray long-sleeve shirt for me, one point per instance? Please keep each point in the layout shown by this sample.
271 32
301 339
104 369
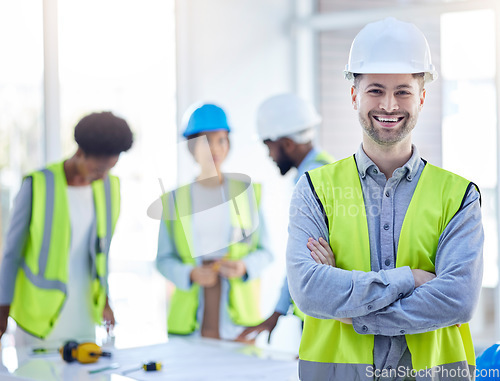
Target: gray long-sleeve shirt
383 302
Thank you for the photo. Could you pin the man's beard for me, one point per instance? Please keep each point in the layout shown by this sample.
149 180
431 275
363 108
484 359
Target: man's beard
284 163
397 135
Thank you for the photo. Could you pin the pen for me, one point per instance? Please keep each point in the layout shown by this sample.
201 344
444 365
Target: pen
40 351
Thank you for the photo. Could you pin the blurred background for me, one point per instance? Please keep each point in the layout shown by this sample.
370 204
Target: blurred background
148 61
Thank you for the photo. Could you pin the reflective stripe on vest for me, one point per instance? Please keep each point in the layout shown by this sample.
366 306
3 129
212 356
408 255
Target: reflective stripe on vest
37 278
40 289
331 347
244 296
107 209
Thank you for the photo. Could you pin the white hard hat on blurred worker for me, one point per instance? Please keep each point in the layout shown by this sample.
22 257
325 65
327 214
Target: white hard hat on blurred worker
390 46
287 115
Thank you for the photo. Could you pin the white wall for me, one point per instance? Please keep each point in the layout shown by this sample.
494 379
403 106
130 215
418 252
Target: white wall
236 54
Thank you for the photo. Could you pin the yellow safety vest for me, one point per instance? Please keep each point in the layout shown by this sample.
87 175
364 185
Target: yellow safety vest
334 348
244 296
41 282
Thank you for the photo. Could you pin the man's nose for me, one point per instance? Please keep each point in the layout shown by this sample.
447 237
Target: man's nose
389 103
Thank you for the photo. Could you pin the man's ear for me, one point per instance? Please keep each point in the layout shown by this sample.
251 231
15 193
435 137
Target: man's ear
354 97
422 99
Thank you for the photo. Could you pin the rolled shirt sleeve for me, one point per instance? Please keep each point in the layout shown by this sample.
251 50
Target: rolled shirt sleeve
349 293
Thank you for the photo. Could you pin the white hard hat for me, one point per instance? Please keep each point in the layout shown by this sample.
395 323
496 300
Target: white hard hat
287 115
390 46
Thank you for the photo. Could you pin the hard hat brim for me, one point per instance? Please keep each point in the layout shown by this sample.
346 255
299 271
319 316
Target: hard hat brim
429 76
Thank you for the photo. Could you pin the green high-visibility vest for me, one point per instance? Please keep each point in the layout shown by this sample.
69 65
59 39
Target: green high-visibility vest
244 296
41 282
334 348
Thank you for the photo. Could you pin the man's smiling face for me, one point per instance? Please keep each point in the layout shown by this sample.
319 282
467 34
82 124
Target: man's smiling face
388 105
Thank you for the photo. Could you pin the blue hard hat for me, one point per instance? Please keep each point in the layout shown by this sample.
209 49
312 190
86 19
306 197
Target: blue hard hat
207 117
488 364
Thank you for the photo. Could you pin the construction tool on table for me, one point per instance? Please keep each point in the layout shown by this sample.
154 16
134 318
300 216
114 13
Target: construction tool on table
148 367
84 353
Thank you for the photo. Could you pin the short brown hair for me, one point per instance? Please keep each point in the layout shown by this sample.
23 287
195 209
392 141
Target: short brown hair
419 76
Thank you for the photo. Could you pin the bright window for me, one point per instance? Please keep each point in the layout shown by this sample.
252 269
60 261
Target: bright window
119 55
468 68
21 80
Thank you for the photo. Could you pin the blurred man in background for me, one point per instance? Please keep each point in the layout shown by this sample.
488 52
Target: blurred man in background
287 125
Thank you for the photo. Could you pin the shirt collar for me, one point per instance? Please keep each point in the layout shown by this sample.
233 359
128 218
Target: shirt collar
364 163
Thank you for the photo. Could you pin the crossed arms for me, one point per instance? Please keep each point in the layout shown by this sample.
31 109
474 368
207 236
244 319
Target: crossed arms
392 301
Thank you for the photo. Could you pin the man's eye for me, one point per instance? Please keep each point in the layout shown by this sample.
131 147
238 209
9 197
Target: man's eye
375 91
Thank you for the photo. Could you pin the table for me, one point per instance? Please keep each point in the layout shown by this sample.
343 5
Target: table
183 358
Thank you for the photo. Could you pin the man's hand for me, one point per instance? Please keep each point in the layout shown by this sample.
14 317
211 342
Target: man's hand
204 275
4 316
108 317
267 325
421 277
321 251
231 269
